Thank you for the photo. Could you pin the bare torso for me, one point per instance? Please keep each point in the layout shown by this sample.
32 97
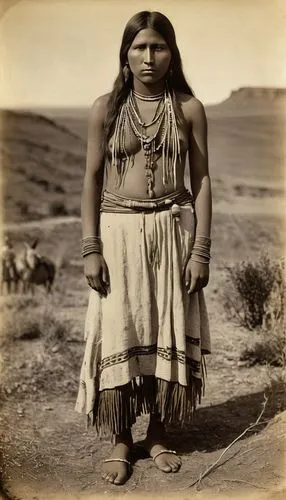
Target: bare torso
134 184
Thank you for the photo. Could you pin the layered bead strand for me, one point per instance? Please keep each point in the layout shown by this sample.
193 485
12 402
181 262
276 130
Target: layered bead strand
168 144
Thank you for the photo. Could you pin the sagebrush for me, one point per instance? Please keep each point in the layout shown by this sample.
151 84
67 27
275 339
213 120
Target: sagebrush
252 287
256 298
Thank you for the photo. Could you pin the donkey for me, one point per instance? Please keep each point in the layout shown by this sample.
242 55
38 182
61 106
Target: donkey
9 274
35 269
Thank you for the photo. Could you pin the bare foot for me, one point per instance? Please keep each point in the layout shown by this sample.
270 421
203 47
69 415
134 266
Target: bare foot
117 472
155 442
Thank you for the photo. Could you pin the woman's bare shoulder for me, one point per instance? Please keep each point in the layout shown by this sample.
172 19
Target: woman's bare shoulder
193 109
98 109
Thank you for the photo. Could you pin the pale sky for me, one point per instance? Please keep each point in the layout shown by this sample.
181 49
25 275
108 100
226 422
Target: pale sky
65 53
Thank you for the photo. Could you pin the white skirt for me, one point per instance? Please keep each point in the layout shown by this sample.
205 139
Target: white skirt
145 341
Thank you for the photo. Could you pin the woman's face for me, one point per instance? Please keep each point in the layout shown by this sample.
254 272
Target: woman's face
149 56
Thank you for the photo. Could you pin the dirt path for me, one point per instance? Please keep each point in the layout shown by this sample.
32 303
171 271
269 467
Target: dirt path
48 222
65 459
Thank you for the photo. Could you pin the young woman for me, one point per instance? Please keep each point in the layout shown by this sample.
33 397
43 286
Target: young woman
146 248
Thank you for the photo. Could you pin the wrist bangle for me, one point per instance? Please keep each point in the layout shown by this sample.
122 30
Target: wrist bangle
196 258
91 244
201 249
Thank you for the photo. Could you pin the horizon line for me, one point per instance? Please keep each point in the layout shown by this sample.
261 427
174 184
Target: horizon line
86 106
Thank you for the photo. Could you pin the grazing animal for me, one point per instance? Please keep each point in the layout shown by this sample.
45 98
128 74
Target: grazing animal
9 274
35 269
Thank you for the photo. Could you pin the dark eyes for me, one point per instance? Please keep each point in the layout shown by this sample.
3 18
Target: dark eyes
153 47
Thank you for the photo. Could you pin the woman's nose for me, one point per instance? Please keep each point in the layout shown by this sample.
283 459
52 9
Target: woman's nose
148 56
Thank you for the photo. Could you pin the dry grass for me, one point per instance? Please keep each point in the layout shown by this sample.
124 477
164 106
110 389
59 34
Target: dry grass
20 318
48 363
269 348
28 318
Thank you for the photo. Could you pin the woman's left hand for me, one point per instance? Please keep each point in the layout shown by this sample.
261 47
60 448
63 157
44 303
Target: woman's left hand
196 276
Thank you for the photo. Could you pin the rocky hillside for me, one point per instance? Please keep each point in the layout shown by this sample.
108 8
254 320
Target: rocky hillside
42 166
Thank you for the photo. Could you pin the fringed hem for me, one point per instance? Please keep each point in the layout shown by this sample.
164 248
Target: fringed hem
117 409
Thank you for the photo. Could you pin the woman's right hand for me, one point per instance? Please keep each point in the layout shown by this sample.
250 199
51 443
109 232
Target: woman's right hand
96 273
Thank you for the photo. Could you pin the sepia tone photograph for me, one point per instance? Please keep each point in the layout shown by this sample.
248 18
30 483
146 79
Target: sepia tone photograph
142 333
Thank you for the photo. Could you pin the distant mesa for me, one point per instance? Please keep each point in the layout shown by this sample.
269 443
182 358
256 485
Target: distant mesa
269 93
246 101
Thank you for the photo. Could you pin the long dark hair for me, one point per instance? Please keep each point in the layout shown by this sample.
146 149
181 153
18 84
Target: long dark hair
174 77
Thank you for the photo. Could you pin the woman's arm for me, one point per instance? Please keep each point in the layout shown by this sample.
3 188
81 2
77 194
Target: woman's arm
94 173
95 267
199 169
197 269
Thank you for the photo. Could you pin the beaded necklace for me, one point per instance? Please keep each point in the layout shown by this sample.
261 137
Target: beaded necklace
153 97
164 141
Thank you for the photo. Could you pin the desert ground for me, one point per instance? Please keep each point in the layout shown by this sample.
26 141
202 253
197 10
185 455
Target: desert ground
46 449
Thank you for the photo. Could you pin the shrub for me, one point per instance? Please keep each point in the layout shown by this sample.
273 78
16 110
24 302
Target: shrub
54 330
253 286
76 211
24 208
16 303
275 305
58 188
257 299
27 323
20 326
41 182
57 208
270 349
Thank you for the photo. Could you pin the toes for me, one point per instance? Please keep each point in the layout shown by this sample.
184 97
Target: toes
176 464
169 464
163 466
115 477
121 478
167 468
175 467
109 477
176 461
173 464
